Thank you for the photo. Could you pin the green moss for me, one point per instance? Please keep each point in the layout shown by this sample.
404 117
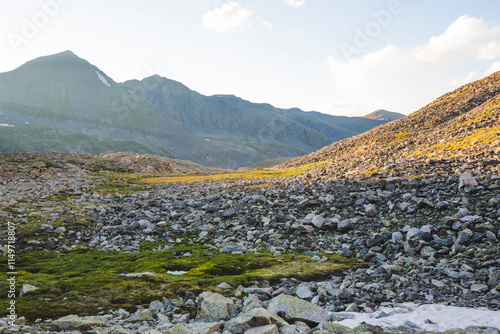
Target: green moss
82 280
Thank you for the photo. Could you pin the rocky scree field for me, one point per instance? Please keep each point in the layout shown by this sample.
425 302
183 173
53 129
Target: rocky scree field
106 244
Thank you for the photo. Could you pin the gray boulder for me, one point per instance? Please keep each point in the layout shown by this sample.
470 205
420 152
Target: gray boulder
74 322
215 307
254 318
296 309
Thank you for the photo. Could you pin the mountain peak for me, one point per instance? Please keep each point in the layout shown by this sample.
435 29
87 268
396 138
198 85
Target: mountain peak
384 115
64 58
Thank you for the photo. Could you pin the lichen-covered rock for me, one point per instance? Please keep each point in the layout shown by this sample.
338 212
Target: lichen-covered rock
331 327
215 307
294 309
367 329
251 302
254 318
180 329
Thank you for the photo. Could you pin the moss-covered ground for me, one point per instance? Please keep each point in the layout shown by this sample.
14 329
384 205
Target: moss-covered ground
87 281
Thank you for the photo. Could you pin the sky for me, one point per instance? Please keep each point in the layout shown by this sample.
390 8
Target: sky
342 57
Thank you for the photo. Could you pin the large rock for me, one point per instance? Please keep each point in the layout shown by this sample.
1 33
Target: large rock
180 329
251 302
466 179
331 327
203 327
144 315
268 329
296 309
74 322
254 318
215 307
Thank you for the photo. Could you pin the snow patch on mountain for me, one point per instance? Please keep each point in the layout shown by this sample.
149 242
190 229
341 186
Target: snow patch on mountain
103 79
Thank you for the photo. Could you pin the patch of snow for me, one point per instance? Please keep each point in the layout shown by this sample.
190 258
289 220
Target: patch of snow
26 122
176 272
207 139
7 125
103 79
443 317
147 273
131 92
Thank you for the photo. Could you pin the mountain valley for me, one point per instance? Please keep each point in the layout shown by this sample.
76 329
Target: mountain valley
370 228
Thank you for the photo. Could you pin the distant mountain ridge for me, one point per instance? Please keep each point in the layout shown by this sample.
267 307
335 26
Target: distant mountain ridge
63 103
384 115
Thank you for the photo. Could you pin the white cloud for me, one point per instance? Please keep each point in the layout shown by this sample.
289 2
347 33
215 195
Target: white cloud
461 40
489 51
495 67
295 3
268 25
471 76
229 16
405 79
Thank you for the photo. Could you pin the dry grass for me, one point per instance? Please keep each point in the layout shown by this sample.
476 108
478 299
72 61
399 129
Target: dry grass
237 175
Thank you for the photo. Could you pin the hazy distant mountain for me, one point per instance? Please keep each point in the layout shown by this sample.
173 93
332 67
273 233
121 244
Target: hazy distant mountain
384 115
63 103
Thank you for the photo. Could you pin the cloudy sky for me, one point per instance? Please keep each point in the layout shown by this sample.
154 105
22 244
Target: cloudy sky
341 57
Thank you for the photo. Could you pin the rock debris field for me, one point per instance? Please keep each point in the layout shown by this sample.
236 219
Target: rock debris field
356 254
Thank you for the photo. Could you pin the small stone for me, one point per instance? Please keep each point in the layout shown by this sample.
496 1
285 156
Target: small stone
427 252
26 288
491 236
304 292
318 221
397 236
479 288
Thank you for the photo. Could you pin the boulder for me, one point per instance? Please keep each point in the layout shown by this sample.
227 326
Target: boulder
74 322
256 317
466 179
296 309
144 315
331 327
215 307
